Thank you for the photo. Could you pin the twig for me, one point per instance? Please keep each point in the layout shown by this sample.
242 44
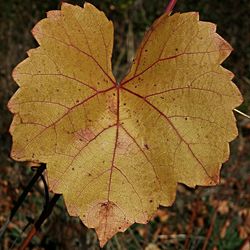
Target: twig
22 198
170 6
210 230
190 226
241 113
44 215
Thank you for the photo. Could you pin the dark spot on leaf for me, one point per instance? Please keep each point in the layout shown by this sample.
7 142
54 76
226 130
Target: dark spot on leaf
124 104
73 169
146 146
150 201
104 204
186 118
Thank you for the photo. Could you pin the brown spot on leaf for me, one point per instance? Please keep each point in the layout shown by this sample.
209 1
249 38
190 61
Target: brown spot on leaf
107 218
85 135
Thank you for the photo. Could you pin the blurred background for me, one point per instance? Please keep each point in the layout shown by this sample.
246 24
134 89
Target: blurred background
204 218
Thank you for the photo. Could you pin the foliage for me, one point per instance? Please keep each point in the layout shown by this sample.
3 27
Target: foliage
168 114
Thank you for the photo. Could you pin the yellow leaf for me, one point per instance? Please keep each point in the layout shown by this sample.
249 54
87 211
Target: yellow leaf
117 151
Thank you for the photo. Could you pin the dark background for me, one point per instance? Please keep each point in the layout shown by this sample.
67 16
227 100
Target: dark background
204 218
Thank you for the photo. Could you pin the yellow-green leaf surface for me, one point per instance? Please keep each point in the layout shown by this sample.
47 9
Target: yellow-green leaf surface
117 151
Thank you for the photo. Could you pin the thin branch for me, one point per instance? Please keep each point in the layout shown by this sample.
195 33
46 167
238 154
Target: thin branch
21 198
241 113
170 6
191 224
44 215
210 230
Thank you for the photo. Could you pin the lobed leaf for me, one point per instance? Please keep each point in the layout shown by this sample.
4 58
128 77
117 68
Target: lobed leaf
117 151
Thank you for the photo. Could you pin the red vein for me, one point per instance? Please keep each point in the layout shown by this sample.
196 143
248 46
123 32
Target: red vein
59 74
86 145
157 177
183 88
173 127
84 34
116 142
168 58
33 123
113 158
80 192
66 113
104 42
46 102
147 36
129 182
83 52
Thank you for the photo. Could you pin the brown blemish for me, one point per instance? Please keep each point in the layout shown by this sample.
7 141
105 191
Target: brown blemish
85 135
107 218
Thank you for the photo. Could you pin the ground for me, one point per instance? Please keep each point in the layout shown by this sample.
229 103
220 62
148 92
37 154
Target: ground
204 218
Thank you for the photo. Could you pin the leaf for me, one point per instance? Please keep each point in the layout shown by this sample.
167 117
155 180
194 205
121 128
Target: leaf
117 151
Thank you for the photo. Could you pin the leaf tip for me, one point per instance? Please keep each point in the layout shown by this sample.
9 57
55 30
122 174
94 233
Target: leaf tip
107 219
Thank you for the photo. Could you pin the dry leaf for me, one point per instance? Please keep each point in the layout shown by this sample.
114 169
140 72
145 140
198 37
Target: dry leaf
117 151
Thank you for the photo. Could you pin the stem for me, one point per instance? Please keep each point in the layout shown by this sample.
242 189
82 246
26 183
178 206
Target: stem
190 226
170 6
22 198
210 230
44 215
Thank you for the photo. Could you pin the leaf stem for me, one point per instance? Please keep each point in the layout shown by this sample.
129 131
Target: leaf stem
22 197
170 6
